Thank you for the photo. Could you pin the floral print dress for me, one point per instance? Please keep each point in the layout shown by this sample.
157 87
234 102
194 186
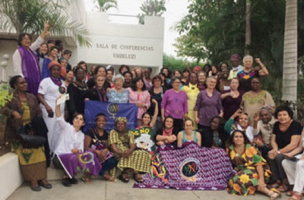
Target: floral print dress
245 181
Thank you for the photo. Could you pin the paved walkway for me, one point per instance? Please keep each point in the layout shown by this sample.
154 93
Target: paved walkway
103 190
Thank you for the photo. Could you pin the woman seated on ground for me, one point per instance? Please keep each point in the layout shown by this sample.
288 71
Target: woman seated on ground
252 170
167 134
294 168
69 151
215 136
188 135
22 109
284 139
122 144
147 119
241 124
97 140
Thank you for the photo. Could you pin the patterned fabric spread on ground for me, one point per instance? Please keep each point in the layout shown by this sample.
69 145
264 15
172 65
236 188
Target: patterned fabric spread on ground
189 168
86 162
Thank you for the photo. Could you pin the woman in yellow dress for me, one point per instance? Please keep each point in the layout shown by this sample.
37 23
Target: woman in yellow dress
122 144
192 91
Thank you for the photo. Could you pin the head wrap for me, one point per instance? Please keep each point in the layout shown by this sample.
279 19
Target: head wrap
62 69
124 119
197 68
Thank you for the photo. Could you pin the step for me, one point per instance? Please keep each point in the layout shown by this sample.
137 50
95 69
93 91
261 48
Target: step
10 174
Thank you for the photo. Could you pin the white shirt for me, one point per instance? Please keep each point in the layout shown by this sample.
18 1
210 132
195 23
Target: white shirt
69 139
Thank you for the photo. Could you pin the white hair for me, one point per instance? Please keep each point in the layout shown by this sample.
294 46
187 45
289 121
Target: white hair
118 76
248 57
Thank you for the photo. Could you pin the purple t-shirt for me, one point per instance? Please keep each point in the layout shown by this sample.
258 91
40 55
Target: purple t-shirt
175 104
208 107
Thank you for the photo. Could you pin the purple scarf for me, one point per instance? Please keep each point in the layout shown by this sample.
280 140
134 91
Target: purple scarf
30 68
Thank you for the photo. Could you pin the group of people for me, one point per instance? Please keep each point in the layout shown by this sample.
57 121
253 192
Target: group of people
213 106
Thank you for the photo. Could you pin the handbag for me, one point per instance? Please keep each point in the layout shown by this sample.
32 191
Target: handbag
27 139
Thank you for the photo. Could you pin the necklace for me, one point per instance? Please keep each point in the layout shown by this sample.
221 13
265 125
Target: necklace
284 127
58 82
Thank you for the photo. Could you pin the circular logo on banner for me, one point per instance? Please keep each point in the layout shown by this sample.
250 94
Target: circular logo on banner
189 169
113 109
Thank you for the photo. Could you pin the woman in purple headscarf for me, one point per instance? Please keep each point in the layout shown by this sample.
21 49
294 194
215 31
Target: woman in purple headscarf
25 60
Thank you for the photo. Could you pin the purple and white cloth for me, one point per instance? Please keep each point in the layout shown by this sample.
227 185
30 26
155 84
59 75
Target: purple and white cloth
86 162
192 168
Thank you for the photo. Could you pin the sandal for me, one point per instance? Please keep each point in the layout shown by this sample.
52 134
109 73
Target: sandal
276 184
296 196
289 193
109 178
274 194
283 187
138 178
124 177
86 180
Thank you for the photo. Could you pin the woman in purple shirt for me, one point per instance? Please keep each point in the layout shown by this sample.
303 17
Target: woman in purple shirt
174 104
208 104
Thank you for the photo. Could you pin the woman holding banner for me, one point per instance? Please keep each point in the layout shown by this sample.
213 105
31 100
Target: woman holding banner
118 94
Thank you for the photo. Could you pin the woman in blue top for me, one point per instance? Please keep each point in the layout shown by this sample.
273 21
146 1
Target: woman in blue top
188 135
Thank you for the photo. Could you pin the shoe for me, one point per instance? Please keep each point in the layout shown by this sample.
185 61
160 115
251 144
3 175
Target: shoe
36 189
73 181
66 182
46 186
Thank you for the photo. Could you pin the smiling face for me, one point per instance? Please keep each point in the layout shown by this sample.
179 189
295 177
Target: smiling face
248 63
214 125
234 84
168 123
202 77
283 117
265 116
80 75
146 119
139 84
109 75
54 52
243 120
193 79
78 121
21 84
188 126
55 71
118 83
238 139
26 41
70 76
100 80
256 84
121 126
128 77
211 83
101 72
43 48
176 84
157 83
101 122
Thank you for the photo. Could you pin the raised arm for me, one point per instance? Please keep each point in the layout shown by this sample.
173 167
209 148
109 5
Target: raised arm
263 71
154 117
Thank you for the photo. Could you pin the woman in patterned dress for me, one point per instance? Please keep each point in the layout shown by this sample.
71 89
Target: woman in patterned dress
252 170
22 109
122 144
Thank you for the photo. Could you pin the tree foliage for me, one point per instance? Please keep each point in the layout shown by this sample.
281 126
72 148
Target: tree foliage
219 25
29 16
152 8
104 5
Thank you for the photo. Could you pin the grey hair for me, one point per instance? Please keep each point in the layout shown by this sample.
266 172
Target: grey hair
247 57
118 76
209 78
